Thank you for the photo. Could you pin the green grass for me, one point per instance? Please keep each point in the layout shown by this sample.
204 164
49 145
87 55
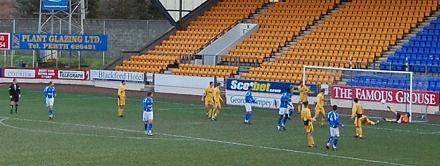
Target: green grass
90 63
86 131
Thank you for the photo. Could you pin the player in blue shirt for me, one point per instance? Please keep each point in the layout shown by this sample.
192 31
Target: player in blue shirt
49 94
333 119
284 109
147 117
249 99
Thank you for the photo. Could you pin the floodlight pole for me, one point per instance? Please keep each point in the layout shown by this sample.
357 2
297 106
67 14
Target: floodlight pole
75 25
5 54
103 52
12 51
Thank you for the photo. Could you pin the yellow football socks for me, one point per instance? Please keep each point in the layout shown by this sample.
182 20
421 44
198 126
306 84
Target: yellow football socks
210 112
214 113
311 141
120 112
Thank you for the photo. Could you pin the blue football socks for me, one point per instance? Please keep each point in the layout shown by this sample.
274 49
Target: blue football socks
285 119
279 120
335 143
151 127
330 139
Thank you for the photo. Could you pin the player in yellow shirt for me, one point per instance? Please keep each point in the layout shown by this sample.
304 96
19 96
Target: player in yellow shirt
121 99
306 117
359 118
303 95
217 102
208 97
319 109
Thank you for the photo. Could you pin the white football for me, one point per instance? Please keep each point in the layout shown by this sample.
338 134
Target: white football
383 101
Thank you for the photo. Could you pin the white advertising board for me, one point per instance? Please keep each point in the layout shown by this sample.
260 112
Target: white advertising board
260 102
177 84
108 75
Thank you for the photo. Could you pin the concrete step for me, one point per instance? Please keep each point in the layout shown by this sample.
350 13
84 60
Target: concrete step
277 54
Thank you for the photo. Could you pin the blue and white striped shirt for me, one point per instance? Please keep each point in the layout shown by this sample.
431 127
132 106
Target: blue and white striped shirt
249 98
49 92
148 104
333 119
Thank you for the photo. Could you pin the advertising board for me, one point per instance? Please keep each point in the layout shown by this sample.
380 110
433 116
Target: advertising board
71 42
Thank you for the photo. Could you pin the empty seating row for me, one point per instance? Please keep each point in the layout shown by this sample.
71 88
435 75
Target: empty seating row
396 82
205 70
279 25
198 34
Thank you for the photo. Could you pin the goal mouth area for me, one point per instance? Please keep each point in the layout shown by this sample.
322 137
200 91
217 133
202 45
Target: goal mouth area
400 90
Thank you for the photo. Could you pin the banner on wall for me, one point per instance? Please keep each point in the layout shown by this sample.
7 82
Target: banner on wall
110 75
260 102
267 86
389 95
258 86
46 74
70 42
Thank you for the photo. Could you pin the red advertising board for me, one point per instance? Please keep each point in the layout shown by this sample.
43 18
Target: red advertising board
46 73
5 41
390 95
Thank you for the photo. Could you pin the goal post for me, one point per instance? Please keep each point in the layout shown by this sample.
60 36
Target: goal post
376 89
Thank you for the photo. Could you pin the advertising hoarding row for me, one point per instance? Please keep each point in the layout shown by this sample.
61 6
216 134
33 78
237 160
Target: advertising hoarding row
45 74
97 75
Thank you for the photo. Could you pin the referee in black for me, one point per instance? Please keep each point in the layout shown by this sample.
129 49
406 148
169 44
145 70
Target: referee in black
14 94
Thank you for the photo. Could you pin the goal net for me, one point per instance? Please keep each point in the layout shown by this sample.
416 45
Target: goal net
376 90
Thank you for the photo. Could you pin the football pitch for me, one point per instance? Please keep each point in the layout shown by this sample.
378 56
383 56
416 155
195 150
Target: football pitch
86 131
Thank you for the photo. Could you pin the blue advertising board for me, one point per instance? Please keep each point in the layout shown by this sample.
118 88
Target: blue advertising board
266 86
55 4
59 42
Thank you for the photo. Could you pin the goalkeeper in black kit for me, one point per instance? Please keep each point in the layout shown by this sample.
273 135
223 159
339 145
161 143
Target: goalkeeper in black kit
14 95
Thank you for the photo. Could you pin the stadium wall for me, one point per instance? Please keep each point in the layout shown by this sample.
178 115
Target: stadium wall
122 34
187 85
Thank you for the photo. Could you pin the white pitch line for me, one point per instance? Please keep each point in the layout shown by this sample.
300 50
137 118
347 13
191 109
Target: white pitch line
179 108
223 142
408 131
91 135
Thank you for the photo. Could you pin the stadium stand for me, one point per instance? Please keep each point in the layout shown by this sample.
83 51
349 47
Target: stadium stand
202 31
422 53
359 32
277 26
